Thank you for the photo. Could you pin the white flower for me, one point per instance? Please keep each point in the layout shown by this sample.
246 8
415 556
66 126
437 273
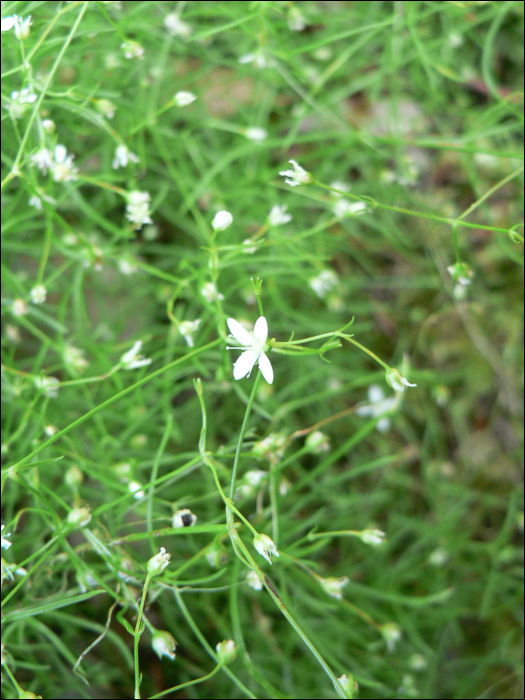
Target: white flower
210 293
20 24
127 267
249 246
183 518
79 517
461 273
106 107
391 634
35 201
438 557
123 156
373 537
62 167
296 20
20 102
159 562
132 49
5 542
183 99
176 27
253 580
377 407
38 294
344 207
221 220
164 644
49 385
325 281
226 651
258 58
334 586
135 487
317 442
396 381
137 208
187 328
256 133
278 215
42 159
253 346
131 359
19 307
74 358
297 176
48 125
265 546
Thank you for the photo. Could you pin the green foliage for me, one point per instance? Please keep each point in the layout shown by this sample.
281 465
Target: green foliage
325 523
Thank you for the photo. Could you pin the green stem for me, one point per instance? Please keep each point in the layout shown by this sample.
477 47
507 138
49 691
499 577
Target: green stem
137 635
241 434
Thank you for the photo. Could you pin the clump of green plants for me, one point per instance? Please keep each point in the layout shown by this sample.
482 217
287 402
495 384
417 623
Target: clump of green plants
262 367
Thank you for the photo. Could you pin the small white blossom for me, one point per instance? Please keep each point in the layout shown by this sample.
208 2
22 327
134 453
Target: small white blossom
271 447
62 167
42 159
176 27
131 359
391 634
325 281
137 208
38 294
74 358
372 537
253 580
159 562
278 215
297 176
79 517
253 346
210 293
343 208
132 49
19 307
183 99
461 273
164 644
187 329
378 406
226 651
135 487
221 220
249 247
296 20
396 380
255 133
345 682
50 430
317 442
417 662
73 477
5 542
123 156
48 125
127 267
334 586
184 518
49 386
438 557
20 24
252 479
106 107
36 202
265 546
259 58
20 101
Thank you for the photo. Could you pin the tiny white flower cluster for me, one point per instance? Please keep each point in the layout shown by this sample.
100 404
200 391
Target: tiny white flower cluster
137 208
123 156
59 163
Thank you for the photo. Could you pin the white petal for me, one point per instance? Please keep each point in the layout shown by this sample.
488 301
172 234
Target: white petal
240 333
260 330
244 364
375 393
266 367
365 410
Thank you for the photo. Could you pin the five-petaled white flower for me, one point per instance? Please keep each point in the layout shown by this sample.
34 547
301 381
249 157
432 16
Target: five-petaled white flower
297 176
253 346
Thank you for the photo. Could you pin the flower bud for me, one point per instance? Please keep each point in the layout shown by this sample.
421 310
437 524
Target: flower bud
265 546
79 517
226 651
396 380
159 562
221 220
163 644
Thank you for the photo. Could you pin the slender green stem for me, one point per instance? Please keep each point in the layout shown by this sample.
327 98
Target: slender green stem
241 434
139 627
